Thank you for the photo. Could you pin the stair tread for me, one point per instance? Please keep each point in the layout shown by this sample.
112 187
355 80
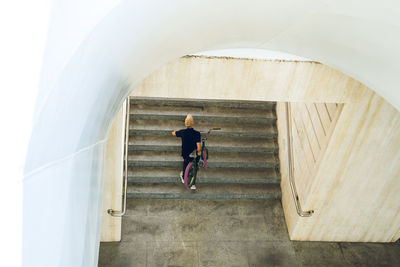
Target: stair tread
215 157
212 173
269 133
177 147
212 180
173 115
211 142
200 110
264 105
259 165
204 190
201 126
203 196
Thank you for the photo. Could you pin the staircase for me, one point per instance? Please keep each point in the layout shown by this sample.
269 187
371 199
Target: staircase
243 155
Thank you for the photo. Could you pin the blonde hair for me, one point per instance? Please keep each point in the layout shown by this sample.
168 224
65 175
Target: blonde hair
189 122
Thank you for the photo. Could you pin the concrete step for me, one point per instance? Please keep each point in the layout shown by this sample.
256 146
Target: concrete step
213 141
211 149
228 180
141 173
143 102
198 111
202 110
204 191
271 132
237 157
222 164
220 118
201 126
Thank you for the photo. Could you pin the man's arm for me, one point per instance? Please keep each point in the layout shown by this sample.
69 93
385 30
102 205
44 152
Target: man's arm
177 133
198 149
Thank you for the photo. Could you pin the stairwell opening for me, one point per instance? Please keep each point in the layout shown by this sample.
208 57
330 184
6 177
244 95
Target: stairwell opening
238 199
243 156
246 156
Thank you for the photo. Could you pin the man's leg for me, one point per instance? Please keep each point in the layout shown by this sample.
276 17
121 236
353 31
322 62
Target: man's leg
185 163
197 165
182 174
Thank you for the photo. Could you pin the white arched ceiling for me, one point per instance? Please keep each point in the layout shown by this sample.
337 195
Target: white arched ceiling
88 72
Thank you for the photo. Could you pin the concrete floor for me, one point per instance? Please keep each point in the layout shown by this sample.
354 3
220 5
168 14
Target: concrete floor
172 232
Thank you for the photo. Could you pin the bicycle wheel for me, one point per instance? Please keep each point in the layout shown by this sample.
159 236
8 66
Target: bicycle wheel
190 173
205 157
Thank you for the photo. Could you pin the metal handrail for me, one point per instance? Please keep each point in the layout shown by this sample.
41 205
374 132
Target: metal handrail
301 213
125 176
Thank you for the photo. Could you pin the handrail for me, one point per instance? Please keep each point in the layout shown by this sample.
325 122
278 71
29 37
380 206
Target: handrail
125 176
301 213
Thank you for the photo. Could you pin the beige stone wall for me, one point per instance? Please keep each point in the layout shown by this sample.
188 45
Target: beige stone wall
247 79
113 172
312 127
354 184
355 193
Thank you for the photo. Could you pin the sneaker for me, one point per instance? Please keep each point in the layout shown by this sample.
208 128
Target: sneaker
193 187
181 176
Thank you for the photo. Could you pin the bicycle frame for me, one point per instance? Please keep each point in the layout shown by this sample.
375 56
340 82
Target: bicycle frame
194 163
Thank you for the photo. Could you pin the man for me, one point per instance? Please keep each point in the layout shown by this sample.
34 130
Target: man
190 142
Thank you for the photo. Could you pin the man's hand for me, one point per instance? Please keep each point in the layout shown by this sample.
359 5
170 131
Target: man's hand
173 133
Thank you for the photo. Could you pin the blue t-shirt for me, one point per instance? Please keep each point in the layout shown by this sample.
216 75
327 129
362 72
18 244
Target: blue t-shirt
189 139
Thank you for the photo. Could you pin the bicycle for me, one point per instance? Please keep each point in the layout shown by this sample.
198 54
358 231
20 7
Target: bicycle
193 166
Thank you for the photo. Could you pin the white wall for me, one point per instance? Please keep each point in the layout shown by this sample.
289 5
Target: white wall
23 36
93 47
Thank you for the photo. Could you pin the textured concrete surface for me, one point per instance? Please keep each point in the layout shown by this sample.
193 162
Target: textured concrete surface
243 155
204 191
241 232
